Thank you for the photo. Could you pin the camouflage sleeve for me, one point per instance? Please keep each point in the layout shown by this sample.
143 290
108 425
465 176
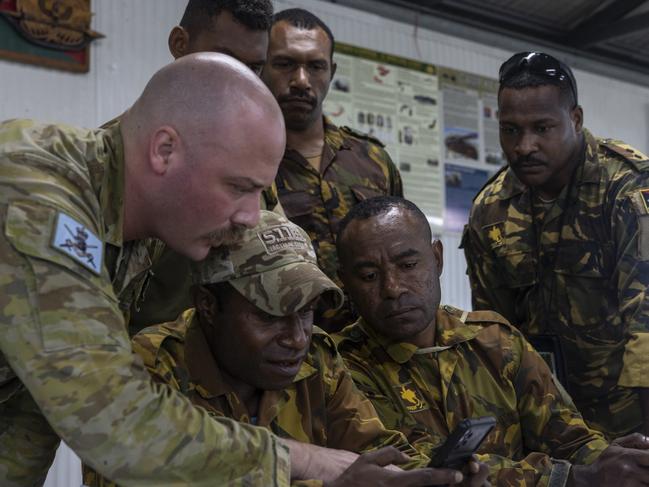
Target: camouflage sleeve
352 421
630 222
488 291
63 335
550 423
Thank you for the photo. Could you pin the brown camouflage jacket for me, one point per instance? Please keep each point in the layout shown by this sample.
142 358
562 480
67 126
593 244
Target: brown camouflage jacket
322 407
66 364
579 271
480 366
354 167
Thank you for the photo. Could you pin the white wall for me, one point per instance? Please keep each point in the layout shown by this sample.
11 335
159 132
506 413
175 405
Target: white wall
135 46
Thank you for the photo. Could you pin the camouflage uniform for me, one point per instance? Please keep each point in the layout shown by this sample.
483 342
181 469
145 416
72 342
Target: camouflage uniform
66 277
588 286
354 167
168 283
274 267
480 366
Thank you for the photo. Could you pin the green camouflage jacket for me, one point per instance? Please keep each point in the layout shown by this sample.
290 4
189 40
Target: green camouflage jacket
588 286
354 167
480 366
66 279
322 407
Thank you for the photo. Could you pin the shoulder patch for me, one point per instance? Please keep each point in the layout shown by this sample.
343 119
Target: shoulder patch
361 135
637 159
76 241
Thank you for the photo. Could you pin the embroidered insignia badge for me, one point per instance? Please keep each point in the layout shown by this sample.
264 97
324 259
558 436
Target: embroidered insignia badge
75 240
411 399
496 236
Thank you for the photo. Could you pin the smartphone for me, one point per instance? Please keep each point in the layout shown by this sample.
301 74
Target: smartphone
462 443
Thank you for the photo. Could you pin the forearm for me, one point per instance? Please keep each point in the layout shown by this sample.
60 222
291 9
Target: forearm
316 462
138 433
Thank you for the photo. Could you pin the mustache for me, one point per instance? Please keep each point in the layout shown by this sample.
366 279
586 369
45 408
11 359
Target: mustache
527 160
298 97
226 236
388 308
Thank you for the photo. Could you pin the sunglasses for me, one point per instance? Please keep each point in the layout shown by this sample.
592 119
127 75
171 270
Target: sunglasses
540 64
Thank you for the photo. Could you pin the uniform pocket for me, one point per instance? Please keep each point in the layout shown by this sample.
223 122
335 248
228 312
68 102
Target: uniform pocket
518 265
299 207
582 289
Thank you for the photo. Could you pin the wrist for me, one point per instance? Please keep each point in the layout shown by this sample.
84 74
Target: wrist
300 459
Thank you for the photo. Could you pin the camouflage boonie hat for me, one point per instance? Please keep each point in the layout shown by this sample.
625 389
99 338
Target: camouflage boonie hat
273 266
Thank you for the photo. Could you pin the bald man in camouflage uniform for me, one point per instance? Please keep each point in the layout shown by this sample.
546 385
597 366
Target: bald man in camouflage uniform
240 29
326 169
558 243
71 263
269 280
426 368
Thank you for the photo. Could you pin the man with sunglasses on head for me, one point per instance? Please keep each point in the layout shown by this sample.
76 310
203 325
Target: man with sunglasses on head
558 243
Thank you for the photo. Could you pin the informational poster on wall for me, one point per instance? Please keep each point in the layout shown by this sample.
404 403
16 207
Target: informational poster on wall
438 125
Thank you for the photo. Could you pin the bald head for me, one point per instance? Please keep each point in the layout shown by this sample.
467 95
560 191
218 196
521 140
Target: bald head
201 142
204 92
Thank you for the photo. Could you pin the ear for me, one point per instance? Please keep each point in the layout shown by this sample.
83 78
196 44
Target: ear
178 42
438 252
577 117
206 304
334 66
164 144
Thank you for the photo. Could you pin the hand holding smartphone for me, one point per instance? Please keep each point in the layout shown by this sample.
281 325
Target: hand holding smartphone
463 442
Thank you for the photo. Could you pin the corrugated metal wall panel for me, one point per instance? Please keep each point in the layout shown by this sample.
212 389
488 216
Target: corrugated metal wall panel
136 45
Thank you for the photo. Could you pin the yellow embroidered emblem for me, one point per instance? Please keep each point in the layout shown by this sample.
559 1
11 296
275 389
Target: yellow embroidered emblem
413 402
496 236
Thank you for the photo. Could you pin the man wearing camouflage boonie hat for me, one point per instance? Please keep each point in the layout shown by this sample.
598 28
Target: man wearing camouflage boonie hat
249 350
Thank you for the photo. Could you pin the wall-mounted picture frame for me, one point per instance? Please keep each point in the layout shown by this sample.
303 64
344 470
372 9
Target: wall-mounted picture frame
49 33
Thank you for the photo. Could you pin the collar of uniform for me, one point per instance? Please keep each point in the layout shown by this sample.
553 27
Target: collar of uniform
449 331
111 193
511 186
334 137
591 172
204 372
